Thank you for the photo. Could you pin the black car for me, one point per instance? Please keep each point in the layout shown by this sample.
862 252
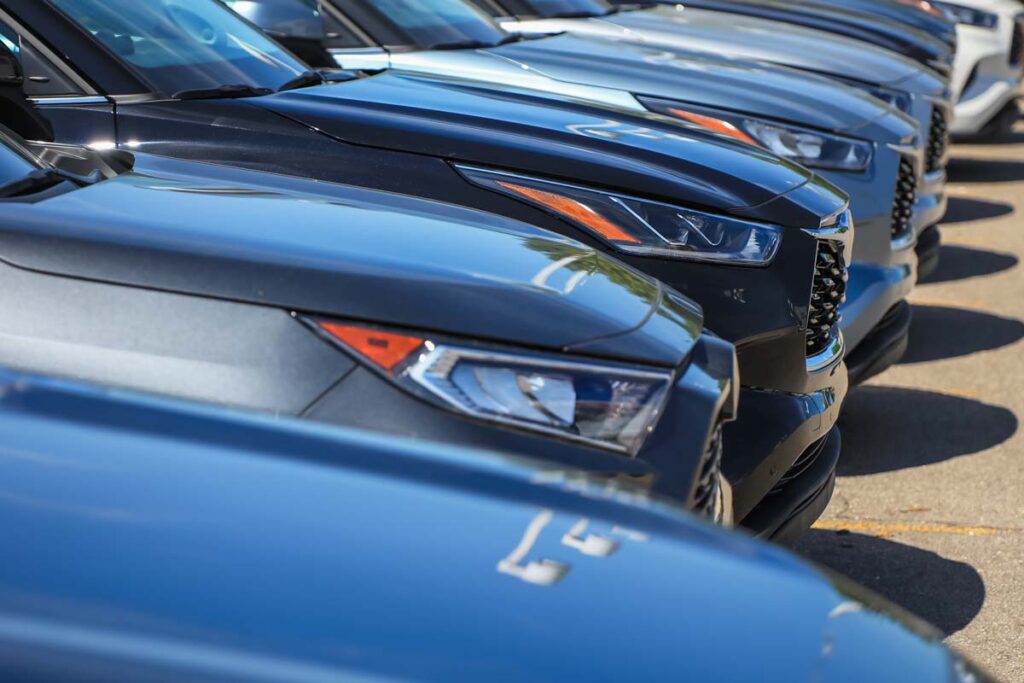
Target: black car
348 306
760 243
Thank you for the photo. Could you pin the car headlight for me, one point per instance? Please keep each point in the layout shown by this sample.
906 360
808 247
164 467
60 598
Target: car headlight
604 405
969 15
642 226
810 148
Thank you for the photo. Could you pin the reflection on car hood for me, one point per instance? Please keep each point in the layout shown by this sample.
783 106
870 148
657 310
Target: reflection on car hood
844 20
151 537
699 78
522 130
757 39
347 252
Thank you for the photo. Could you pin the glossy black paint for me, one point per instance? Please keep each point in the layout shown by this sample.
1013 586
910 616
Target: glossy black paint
155 541
933 48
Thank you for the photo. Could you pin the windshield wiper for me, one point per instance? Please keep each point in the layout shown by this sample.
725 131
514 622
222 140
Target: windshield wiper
36 181
222 92
303 80
575 14
461 45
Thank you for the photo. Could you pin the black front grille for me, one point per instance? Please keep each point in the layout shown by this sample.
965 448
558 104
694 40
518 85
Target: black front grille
708 492
827 293
1017 43
903 201
938 140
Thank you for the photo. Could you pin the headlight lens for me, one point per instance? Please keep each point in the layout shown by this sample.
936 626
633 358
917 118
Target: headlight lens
812 149
641 226
969 15
608 406
807 147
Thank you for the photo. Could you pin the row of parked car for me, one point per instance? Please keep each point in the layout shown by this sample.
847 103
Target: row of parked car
567 266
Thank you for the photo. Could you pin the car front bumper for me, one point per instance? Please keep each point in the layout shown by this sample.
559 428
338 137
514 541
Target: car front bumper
986 76
932 201
792 508
789 427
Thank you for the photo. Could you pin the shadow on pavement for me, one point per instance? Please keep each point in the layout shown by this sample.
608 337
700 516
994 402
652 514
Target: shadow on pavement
942 332
887 429
960 263
970 170
964 209
946 593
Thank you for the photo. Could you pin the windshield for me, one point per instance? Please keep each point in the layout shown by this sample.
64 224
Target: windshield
180 45
440 23
569 8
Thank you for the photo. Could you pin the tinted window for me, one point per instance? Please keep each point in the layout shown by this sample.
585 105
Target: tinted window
569 8
340 35
41 76
185 44
435 23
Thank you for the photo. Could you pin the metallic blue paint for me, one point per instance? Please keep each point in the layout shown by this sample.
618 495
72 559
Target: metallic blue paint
152 540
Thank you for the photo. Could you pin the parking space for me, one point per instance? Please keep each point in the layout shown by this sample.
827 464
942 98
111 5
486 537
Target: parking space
929 508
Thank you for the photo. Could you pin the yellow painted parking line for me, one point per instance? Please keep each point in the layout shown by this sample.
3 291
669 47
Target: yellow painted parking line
884 529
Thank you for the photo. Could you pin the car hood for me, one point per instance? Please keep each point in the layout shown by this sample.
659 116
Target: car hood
763 90
882 31
524 130
904 14
149 536
749 38
348 252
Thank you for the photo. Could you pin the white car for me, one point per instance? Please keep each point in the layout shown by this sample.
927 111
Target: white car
987 71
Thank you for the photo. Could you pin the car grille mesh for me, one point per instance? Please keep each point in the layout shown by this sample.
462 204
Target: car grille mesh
827 293
938 140
708 492
903 201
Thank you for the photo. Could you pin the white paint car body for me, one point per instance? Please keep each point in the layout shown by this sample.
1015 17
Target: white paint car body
986 74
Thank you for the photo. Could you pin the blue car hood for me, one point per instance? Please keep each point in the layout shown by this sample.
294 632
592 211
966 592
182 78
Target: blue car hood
147 537
764 40
348 252
763 90
531 132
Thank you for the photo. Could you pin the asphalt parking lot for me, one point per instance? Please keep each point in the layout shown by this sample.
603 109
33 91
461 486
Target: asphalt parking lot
929 508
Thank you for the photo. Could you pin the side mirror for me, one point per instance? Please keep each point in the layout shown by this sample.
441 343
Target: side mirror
10 66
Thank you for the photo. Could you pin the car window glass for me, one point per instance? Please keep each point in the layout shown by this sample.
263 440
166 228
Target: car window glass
431 23
185 44
339 35
41 76
570 8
